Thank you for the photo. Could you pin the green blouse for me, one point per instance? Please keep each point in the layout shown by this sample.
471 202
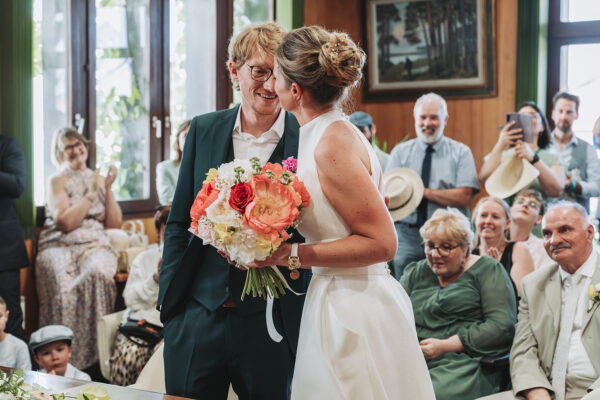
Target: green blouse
479 307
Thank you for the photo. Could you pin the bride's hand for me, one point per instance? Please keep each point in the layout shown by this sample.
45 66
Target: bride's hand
280 257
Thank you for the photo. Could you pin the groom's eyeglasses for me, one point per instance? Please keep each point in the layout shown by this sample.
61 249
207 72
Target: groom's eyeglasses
260 74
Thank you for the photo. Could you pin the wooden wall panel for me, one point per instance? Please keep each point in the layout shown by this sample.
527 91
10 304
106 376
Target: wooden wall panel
472 121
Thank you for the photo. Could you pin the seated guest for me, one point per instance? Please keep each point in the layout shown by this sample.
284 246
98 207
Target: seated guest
464 307
51 347
552 176
526 212
556 346
76 263
167 171
13 351
140 295
491 217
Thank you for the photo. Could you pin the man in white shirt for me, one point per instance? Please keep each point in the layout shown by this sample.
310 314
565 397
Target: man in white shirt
556 346
526 211
212 338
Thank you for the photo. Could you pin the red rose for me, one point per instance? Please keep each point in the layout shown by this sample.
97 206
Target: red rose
241 195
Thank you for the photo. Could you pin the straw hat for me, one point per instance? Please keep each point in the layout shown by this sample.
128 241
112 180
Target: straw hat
405 190
512 175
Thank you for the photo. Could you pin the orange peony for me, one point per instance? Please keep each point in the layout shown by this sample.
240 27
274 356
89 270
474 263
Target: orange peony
273 209
302 192
276 168
205 197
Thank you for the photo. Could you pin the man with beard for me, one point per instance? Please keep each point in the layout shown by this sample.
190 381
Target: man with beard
446 167
578 157
364 122
556 347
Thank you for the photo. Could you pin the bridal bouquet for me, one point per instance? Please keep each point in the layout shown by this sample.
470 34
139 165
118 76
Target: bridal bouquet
244 210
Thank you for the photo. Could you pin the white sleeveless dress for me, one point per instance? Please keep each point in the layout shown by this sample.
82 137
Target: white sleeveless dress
357 334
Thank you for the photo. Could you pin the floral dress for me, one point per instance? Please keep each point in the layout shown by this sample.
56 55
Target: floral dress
75 273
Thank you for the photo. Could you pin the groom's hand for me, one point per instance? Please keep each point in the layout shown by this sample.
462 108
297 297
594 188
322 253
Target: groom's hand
243 268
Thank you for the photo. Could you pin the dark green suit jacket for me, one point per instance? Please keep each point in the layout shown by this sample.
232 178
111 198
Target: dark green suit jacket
191 270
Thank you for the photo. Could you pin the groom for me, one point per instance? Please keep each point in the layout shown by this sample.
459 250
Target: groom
212 338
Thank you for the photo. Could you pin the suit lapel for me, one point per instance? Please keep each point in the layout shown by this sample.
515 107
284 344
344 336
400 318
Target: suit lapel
552 293
221 141
589 312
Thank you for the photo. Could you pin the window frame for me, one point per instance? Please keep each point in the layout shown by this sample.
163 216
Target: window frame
82 93
561 34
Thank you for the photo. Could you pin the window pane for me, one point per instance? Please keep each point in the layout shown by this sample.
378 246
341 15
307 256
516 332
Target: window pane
579 10
50 94
580 76
246 12
122 95
192 76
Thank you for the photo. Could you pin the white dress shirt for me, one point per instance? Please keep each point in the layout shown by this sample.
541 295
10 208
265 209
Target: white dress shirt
579 361
538 253
141 290
246 145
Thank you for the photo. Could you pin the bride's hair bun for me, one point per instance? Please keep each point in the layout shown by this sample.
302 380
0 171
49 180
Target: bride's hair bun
342 60
324 63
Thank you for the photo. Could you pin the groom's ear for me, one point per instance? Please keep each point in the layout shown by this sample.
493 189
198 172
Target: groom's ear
233 72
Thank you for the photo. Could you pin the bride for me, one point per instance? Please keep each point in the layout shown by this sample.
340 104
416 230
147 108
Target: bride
357 335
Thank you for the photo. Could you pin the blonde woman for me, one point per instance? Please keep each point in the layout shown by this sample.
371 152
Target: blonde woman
76 263
491 217
357 336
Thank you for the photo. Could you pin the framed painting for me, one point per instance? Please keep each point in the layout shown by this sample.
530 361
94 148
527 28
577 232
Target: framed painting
419 46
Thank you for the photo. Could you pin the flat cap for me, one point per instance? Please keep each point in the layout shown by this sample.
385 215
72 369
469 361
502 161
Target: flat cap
49 334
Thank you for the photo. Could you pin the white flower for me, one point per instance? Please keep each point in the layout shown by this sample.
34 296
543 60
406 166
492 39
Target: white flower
243 248
220 212
205 231
227 173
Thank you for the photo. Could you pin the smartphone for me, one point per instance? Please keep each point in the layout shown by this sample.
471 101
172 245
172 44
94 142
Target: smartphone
523 121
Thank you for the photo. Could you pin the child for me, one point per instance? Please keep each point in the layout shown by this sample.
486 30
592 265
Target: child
51 347
13 351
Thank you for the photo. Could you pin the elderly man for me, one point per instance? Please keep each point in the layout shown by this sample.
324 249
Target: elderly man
212 338
578 157
446 167
556 346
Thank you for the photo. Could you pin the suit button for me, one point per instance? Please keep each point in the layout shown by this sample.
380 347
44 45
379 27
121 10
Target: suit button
226 289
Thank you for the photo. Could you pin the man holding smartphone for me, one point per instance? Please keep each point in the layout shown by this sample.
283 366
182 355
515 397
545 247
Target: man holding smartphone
578 157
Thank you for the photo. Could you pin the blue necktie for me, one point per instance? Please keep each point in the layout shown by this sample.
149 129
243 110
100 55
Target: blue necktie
425 173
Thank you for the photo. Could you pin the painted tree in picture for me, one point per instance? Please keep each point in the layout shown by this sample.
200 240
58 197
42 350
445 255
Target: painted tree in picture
427 40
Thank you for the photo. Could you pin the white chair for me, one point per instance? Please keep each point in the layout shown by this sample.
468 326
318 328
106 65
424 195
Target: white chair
152 377
107 333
